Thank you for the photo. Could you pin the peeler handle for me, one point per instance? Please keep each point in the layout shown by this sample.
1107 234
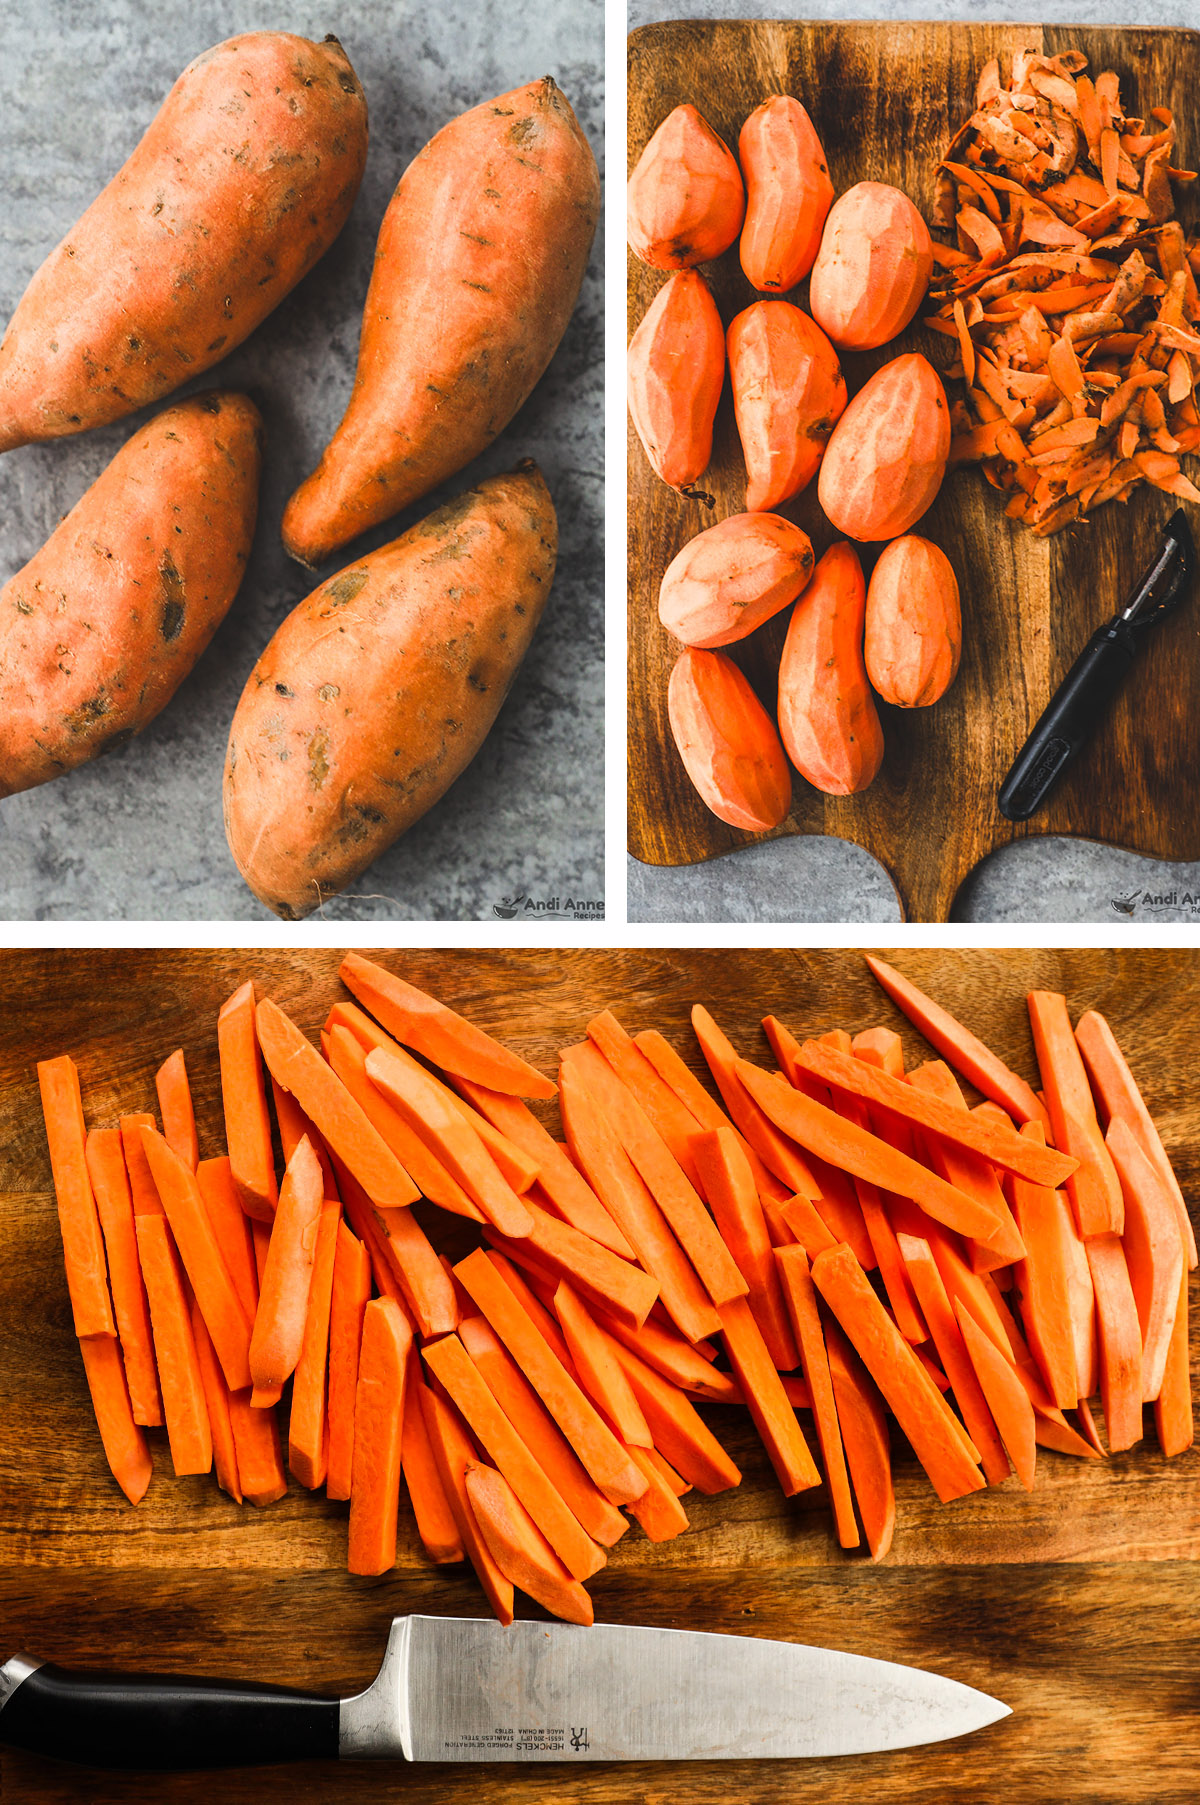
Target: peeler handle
1080 700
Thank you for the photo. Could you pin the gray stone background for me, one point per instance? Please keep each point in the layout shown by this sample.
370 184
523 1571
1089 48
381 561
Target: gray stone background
816 879
138 834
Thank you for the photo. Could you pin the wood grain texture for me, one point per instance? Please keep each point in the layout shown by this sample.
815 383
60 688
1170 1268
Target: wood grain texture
885 99
1076 1604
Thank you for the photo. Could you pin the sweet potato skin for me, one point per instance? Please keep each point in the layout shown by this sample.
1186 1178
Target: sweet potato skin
242 181
103 624
379 689
477 270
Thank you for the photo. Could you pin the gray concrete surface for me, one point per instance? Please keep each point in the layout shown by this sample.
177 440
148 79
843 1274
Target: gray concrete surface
813 880
139 834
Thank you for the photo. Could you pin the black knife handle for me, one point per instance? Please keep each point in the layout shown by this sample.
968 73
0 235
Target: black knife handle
1080 700
163 1722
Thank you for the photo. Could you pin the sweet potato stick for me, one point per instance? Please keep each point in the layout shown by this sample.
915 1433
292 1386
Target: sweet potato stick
244 1096
838 1203
1173 1406
670 1116
862 1154
1093 1188
676 1197
174 1348
797 1288
969 1171
1117 1095
540 1314
207 1272
926 1109
300 1069
452 1139
216 1401
142 1189
938 1439
658 1510
1007 1399
728 1183
599 1371
449 1361
232 1228
278 1336
348 1299
863 1425
437 1033
580 1422
348 1058
124 1444
378 1421
679 1432
114 1205
615 1285
454 1452
952 1352
82 1243
616 1181
705 1109
775 1150
434 1518
564 1187
519 1549
540 1433
964 1050
1153 1251
1043 1280
763 1391
1120 1341
256 1442
308 1425
175 1107
293 1126
662 1347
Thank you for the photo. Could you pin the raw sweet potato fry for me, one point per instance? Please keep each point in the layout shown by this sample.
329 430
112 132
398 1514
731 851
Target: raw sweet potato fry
175 1106
1093 1187
454 1452
766 1400
174 1348
349 1295
728 1183
279 1322
1153 1252
244 1095
193 1235
864 1430
435 1520
706 1110
308 1424
114 1206
801 1298
125 1447
658 1510
519 1549
378 1423
82 1242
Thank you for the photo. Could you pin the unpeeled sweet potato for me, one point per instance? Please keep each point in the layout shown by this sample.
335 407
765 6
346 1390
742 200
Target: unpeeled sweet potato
728 742
685 201
873 266
103 624
788 194
827 715
732 577
478 266
913 634
788 395
676 373
885 462
379 689
243 180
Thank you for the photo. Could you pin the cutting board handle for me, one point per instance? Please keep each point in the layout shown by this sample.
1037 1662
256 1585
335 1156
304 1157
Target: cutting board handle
160 1721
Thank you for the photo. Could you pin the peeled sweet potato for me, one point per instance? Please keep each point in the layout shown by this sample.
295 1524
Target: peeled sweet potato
478 266
676 373
243 180
732 577
886 459
379 689
827 715
914 623
788 394
727 742
873 267
788 194
102 625
685 201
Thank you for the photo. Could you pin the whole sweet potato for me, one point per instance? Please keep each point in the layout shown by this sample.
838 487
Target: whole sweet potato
379 689
104 623
827 715
788 394
873 266
243 180
728 742
732 577
913 635
788 194
676 373
885 462
685 200
477 270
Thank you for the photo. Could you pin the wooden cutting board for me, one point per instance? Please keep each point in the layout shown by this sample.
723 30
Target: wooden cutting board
885 100
1077 1604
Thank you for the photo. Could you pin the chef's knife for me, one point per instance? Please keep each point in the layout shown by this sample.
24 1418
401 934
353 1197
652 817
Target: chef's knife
469 1689
1093 680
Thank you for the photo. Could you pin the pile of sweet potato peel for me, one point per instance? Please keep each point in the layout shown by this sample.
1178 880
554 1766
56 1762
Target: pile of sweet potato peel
1071 291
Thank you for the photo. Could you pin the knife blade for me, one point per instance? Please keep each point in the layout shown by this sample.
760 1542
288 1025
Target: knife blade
469 1689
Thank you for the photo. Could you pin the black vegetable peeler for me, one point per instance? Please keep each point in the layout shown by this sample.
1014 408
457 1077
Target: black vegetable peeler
1096 675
